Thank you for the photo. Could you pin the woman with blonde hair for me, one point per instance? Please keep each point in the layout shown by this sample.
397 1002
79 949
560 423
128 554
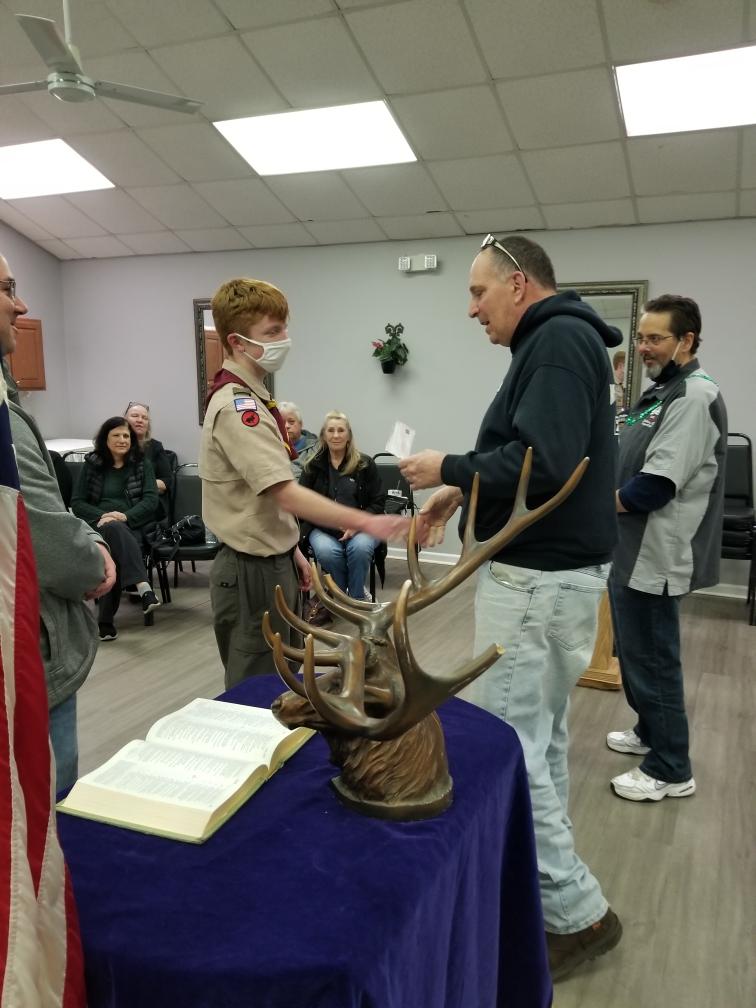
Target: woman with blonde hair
339 471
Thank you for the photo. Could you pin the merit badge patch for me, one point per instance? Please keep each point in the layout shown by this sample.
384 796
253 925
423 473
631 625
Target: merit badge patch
243 403
250 418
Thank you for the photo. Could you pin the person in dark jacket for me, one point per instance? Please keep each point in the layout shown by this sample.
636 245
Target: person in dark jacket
116 493
539 597
337 470
138 418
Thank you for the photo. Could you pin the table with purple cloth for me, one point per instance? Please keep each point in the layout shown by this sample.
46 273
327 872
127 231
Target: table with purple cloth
298 902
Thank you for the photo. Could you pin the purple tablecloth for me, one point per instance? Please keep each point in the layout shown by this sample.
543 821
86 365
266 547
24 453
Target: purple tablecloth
297 902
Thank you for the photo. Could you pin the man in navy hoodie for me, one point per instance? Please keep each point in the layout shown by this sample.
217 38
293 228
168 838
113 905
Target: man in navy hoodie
539 597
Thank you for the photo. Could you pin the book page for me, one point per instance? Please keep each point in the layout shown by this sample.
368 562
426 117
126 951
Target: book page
212 726
167 774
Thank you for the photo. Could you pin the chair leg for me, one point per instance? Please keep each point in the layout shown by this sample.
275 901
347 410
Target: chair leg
372 580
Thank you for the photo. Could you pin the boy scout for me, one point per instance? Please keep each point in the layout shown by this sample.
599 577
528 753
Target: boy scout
249 498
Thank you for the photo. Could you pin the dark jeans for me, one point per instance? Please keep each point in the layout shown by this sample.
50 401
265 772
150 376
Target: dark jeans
125 547
647 639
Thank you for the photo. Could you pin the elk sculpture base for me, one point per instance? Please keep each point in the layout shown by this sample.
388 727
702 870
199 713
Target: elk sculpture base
374 704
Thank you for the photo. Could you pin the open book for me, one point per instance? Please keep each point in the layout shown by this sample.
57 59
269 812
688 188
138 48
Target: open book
196 767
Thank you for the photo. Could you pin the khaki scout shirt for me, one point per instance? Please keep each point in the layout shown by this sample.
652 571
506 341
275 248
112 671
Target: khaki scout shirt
242 454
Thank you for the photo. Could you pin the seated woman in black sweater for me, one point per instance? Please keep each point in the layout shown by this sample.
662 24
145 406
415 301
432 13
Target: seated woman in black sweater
338 470
116 493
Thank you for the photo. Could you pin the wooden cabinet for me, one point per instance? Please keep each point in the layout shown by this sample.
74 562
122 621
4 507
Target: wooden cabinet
27 362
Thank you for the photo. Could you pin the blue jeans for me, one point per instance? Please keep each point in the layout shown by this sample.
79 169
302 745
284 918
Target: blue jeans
347 562
546 621
64 743
647 641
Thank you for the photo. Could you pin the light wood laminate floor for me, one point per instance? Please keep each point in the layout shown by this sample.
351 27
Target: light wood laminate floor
680 872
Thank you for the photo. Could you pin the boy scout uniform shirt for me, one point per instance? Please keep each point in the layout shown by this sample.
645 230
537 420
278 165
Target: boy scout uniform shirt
242 454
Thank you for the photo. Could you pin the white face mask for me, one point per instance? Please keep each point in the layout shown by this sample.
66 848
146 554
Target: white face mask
273 354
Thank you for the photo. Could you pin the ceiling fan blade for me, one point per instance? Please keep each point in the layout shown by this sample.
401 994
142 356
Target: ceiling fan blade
45 38
140 96
37 85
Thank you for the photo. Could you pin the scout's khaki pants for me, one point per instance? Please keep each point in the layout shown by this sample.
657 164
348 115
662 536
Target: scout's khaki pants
241 589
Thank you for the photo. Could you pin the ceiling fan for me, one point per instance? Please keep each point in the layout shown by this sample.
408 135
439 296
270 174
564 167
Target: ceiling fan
67 80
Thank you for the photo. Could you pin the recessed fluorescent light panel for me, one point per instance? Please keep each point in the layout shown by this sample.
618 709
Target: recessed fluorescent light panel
46 168
345 136
709 91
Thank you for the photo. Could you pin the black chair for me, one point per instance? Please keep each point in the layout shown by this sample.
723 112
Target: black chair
738 531
187 500
64 477
74 463
399 500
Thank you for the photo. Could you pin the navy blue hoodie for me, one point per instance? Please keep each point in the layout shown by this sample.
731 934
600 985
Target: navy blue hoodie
556 397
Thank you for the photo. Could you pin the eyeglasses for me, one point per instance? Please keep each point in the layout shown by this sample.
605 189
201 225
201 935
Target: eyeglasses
9 286
491 240
652 340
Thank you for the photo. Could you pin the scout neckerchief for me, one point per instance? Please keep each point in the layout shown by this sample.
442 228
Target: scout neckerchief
224 377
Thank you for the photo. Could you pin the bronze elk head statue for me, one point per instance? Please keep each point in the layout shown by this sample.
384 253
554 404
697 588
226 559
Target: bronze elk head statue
367 694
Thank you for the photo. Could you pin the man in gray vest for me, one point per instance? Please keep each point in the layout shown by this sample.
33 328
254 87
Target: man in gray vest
669 503
72 562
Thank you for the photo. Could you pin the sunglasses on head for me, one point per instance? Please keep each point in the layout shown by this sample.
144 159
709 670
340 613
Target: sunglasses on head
490 240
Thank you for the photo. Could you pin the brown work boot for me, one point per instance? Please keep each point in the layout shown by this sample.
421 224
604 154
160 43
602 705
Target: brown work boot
566 951
318 615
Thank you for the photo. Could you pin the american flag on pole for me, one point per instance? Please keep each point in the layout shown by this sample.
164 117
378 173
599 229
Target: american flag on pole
40 948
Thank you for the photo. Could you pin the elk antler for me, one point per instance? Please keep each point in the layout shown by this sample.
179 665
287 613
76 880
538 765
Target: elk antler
416 692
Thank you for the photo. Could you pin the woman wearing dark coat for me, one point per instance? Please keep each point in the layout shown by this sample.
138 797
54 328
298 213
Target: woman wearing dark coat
339 471
138 418
116 493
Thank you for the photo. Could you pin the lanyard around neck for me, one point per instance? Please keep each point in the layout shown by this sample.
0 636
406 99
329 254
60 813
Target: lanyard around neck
631 420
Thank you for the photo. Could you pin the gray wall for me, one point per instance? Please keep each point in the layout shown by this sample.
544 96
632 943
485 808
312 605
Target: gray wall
128 328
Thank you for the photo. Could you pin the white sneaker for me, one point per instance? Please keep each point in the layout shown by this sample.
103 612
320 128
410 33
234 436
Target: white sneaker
635 785
627 742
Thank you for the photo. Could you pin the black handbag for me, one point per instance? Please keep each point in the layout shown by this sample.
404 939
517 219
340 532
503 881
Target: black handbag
188 531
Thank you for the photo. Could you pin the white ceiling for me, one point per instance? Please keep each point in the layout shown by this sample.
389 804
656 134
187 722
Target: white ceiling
510 107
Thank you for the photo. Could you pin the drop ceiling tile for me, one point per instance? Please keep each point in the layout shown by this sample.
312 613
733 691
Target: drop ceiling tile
154 23
501 221
685 162
177 206
17 49
345 232
58 216
58 248
243 14
313 65
578 174
417 46
693 206
432 225
518 40
213 239
638 32
561 109
476 183
394 190
123 158
748 153
114 210
155 243
748 203
316 196
278 235
21 223
221 73
196 151
65 118
19 124
99 248
581 215
452 124
244 202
